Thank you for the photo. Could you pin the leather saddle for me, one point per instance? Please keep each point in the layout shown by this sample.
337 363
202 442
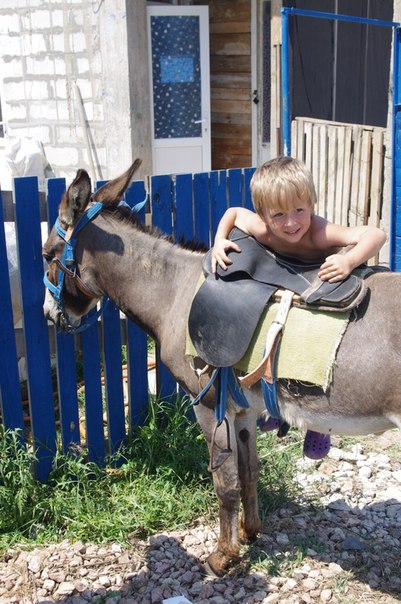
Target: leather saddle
228 305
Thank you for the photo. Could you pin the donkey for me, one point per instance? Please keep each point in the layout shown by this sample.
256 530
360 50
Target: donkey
152 280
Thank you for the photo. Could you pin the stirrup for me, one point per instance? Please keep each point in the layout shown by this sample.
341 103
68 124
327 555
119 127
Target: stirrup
224 453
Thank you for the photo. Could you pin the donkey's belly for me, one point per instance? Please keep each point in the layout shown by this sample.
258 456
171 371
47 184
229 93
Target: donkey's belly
328 423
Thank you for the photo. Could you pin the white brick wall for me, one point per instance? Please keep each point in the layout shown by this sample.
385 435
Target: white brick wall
45 49
49 47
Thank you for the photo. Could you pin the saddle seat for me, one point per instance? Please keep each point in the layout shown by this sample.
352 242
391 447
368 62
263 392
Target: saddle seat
228 305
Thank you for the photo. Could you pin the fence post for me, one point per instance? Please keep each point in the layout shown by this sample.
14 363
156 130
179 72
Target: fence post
10 391
65 347
29 245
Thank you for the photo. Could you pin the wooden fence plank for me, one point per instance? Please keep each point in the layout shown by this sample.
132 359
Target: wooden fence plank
218 199
113 380
93 394
339 175
315 157
294 138
322 199
377 178
308 153
161 203
137 339
331 174
65 348
10 391
202 208
183 208
248 173
364 176
235 187
347 175
356 168
29 247
301 140
137 385
112 391
162 215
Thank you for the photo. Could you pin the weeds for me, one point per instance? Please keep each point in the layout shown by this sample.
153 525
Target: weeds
162 484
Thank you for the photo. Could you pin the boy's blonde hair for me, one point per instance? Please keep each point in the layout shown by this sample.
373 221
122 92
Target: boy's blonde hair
279 183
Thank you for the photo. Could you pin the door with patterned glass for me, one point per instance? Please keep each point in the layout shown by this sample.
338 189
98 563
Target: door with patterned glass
180 88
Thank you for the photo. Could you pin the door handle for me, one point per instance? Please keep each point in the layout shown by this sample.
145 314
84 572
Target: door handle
200 121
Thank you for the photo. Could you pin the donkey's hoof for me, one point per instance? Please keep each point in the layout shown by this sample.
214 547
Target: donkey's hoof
218 563
247 538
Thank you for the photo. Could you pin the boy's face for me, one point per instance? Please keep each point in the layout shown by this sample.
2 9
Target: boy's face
289 225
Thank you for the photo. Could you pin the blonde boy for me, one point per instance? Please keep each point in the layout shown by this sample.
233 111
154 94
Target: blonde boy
284 196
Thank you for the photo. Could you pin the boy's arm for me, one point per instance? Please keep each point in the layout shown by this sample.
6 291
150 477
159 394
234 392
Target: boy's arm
366 241
239 217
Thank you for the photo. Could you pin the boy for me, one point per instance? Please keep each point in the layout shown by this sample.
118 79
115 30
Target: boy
283 195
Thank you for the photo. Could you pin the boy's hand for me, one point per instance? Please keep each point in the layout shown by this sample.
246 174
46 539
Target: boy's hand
219 255
335 268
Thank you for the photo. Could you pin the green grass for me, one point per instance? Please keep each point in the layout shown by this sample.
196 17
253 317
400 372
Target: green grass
162 485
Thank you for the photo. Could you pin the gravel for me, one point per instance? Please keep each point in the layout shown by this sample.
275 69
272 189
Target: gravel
340 542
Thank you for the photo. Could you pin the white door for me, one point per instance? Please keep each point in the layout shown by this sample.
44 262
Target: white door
180 88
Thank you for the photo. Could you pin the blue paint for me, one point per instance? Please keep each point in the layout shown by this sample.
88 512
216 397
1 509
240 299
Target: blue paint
218 199
183 214
65 347
35 326
162 217
201 208
10 392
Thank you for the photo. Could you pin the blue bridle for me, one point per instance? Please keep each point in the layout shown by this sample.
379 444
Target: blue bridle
67 266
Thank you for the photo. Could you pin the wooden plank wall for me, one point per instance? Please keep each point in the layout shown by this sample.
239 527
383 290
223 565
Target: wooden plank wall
231 93
346 161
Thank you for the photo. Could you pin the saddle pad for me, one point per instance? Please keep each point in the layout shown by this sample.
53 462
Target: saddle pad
308 346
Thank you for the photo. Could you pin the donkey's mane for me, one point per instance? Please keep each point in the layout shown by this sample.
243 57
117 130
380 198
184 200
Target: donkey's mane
125 215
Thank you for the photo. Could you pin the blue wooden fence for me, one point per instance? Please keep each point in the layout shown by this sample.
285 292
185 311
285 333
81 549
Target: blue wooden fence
184 205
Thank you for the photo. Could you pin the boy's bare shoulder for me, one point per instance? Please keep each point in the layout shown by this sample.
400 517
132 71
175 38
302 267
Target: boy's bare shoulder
318 228
251 223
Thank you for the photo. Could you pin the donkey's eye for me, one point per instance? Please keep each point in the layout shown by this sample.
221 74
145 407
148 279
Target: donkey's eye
48 257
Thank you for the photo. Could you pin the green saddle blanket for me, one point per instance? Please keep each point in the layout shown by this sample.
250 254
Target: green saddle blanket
308 348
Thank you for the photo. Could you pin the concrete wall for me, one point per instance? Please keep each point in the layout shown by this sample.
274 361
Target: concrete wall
52 54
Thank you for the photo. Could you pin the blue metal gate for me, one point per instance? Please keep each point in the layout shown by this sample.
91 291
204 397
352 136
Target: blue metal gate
395 225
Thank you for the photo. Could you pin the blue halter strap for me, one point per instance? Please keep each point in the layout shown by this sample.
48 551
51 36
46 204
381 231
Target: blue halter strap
68 263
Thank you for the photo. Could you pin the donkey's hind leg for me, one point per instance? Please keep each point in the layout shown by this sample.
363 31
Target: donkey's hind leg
248 470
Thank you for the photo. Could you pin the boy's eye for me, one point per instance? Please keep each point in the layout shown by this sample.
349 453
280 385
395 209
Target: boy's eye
278 215
298 210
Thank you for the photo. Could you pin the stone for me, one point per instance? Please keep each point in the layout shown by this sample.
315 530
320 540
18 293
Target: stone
353 543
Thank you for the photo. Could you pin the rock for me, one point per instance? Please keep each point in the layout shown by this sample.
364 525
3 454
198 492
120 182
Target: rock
353 543
65 589
326 595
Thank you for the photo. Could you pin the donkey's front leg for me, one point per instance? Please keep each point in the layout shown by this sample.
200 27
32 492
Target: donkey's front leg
227 488
248 468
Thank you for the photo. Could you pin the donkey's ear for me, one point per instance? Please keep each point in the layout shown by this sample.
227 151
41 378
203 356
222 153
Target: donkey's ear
113 191
76 198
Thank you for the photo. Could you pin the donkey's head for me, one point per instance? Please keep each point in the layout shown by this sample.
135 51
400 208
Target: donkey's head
71 287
